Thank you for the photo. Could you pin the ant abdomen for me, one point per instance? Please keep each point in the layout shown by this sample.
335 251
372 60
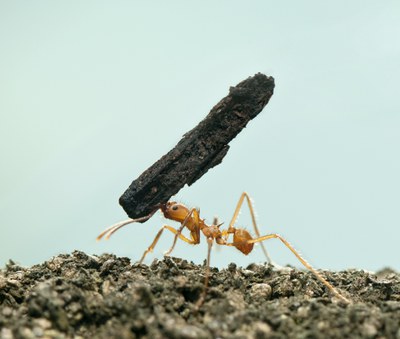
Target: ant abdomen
240 238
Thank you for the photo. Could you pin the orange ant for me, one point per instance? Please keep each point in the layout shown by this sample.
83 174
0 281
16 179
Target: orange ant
190 218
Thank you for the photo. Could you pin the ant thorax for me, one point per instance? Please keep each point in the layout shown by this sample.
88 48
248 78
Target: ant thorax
212 231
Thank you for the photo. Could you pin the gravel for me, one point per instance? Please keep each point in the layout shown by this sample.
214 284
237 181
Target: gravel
82 296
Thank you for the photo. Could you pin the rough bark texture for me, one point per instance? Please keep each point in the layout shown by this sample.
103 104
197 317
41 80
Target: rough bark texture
200 149
81 296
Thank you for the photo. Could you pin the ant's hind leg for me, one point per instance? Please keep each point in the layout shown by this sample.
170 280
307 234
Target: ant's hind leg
253 219
303 261
157 237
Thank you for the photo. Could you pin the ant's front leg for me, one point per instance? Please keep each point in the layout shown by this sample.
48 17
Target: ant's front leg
194 215
157 237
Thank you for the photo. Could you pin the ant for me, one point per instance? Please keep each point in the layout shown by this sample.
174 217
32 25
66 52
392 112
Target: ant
242 240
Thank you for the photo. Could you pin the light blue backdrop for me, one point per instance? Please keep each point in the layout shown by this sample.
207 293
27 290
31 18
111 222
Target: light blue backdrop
94 92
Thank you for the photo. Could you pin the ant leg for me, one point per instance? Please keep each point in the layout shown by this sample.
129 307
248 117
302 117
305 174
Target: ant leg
253 219
300 258
159 233
207 275
196 219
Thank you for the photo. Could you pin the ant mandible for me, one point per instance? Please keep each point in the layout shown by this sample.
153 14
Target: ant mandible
242 240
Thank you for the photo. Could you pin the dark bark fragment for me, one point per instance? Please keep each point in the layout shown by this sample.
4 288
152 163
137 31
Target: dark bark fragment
199 149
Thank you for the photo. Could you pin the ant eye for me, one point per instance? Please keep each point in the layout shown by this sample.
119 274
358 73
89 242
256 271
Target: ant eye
174 207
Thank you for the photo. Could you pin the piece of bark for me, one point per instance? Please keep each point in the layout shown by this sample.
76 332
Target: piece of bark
199 149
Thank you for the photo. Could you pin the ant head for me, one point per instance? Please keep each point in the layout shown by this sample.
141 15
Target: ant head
175 211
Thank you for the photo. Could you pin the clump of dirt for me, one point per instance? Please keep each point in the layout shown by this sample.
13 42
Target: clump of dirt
78 295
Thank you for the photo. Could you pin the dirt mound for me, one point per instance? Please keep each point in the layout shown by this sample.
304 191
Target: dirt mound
78 295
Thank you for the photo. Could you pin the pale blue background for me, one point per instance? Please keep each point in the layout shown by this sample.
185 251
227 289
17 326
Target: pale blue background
94 92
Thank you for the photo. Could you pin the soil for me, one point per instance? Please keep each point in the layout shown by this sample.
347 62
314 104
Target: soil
81 296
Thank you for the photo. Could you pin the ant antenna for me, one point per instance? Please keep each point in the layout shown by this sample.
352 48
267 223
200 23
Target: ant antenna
108 232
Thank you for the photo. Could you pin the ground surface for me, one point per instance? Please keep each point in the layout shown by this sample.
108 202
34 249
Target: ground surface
78 295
